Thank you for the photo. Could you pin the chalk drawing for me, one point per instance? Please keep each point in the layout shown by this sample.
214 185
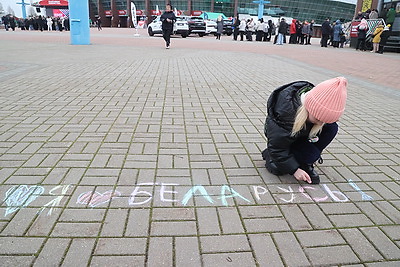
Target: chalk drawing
131 200
233 193
287 191
55 202
317 199
364 196
21 196
94 199
335 195
193 190
257 192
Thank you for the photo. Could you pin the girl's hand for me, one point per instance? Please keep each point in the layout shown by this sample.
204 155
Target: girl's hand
301 175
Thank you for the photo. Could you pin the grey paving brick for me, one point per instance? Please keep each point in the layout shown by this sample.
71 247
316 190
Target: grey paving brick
120 246
20 245
173 214
360 245
208 221
350 220
386 246
173 228
20 222
373 213
320 238
114 222
79 252
389 210
187 251
230 220
290 249
295 218
138 222
224 243
17 261
53 252
121 260
160 251
76 230
265 250
270 211
227 259
278 224
82 215
331 255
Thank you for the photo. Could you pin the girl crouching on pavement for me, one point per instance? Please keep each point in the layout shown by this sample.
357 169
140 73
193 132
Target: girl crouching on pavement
300 124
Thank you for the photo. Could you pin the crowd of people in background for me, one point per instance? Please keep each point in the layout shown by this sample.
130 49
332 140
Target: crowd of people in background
37 23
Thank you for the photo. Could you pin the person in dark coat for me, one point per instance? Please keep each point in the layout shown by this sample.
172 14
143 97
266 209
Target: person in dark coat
6 22
168 19
362 29
236 28
326 31
300 124
282 31
220 27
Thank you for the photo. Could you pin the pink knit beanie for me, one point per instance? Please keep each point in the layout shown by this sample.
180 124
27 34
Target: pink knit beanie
327 100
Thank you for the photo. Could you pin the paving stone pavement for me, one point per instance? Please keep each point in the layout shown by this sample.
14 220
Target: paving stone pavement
124 153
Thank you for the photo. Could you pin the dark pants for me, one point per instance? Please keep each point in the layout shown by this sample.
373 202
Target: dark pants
361 42
241 35
167 36
235 34
306 152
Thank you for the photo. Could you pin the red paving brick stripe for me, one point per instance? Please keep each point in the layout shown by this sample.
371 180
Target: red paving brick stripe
378 69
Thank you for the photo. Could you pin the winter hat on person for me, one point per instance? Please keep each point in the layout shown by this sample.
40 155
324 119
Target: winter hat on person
327 100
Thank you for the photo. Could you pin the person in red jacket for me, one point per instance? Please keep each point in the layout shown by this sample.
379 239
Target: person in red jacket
292 39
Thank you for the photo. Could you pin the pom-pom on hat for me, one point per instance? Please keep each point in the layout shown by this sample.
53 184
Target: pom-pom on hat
327 100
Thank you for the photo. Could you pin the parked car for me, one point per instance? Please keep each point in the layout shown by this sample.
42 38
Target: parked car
181 27
197 25
228 27
211 27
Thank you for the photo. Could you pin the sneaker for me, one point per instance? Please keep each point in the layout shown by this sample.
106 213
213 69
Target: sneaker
167 47
309 168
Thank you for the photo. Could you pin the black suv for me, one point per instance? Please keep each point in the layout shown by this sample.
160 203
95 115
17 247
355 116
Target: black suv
197 25
228 25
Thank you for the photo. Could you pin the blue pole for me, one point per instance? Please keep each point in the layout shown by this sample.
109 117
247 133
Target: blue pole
23 4
261 7
79 20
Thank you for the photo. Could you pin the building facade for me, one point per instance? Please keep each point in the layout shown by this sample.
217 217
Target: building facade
116 13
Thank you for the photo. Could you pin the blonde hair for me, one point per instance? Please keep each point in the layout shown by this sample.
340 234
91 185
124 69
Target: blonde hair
300 123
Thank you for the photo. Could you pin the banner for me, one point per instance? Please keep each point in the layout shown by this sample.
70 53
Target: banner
134 14
366 5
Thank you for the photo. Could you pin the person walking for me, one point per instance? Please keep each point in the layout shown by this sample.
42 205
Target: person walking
220 27
99 24
301 123
168 19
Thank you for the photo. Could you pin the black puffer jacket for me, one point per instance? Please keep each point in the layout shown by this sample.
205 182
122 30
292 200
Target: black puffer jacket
282 107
